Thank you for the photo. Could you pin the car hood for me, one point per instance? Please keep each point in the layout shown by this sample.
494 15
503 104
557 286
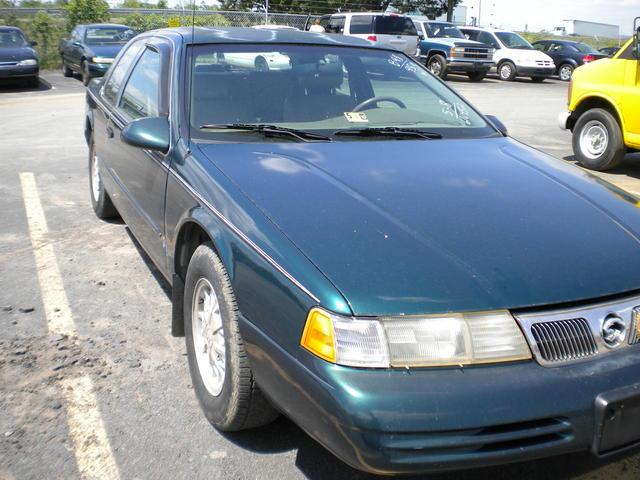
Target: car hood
408 227
108 51
16 54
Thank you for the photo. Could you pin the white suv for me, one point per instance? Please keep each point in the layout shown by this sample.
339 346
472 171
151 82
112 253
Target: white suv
385 29
514 56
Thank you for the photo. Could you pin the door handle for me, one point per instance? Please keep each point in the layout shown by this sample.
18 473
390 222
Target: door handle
109 132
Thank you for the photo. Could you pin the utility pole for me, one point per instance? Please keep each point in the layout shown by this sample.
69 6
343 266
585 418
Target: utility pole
450 10
266 12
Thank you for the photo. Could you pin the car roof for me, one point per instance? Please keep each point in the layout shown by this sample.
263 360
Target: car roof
7 28
260 35
485 29
106 25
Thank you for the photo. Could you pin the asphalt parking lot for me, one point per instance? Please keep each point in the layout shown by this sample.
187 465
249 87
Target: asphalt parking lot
135 415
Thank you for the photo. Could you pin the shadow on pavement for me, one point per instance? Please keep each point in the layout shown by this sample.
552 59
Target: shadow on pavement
157 275
16 86
630 167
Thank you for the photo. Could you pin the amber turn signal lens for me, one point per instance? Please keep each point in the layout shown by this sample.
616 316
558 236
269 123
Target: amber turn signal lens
318 336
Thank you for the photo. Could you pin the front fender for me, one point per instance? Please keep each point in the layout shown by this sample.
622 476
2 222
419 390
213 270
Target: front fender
429 47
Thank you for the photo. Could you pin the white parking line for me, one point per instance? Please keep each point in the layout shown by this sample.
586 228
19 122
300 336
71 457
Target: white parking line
91 445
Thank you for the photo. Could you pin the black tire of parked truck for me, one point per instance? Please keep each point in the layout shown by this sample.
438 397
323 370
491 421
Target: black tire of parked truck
437 65
597 140
237 403
477 76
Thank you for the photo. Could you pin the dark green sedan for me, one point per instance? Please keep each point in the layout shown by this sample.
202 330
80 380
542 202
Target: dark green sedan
351 244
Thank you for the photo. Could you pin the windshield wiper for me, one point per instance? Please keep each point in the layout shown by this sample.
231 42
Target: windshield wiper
270 130
394 132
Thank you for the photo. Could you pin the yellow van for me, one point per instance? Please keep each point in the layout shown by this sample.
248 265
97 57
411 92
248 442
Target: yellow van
604 108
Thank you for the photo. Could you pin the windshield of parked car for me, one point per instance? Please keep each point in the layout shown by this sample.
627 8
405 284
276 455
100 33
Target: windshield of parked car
513 40
12 39
584 48
98 35
322 89
444 30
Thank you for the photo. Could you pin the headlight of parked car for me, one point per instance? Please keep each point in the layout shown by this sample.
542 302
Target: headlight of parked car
415 341
29 62
102 60
457 52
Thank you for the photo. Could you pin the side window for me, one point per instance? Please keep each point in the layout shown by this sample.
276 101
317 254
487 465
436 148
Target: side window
141 95
361 24
487 38
118 71
336 25
324 22
556 47
540 46
471 34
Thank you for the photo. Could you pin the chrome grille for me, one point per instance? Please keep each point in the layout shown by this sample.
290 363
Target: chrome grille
543 63
8 64
634 333
477 53
564 340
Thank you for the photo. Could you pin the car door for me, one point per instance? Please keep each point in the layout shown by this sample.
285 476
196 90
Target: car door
558 52
630 95
76 49
142 174
396 32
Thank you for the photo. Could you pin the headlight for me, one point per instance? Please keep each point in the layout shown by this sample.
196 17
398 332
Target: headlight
29 62
102 60
415 341
457 51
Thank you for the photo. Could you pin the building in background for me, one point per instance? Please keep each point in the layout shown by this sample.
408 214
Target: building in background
587 29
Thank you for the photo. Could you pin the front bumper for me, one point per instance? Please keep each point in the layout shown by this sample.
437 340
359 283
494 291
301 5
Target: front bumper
564 120
535 71
98 69
426 420
17 71
468 65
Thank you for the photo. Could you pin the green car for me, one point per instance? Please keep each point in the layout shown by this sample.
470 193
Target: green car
353 245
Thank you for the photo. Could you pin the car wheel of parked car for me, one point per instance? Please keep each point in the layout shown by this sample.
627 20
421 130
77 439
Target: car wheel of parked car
538 79
477 76
66 71
507 71
100 200
261 65
438 66
565 71
220 372
86 74
597 140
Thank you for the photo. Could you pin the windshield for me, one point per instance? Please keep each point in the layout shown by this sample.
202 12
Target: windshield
444 30
322 89
12 39
584 48
513 40
97 35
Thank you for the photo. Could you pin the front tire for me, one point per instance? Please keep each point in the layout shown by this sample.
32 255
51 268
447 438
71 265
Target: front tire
477 76
597 140
261 64
100 200
507 71
437 65
220 372
86 74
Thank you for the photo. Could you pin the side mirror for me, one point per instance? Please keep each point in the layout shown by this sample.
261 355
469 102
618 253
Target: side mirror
501 127
33 44
150 133
637 44
76 44
421 37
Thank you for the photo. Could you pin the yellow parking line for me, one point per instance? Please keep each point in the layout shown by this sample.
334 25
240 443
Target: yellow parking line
91 445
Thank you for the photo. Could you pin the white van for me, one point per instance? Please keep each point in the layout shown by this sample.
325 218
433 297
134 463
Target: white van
385 29
514 56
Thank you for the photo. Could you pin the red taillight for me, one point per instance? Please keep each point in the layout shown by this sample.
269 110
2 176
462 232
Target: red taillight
588 58
372 38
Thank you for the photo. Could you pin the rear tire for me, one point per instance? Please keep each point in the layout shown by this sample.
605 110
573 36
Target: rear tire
66 71
100 200
477 76
597 140
230 398
86 74
438 66
507 71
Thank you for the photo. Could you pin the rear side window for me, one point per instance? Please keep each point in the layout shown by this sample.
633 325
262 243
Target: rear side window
392 25
335 25
471 34
118 72
140 97
361 24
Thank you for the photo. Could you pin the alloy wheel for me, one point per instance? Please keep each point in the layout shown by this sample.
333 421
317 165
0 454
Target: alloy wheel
208 336
565 73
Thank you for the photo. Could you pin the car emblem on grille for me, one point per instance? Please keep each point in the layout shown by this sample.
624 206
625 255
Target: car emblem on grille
614 331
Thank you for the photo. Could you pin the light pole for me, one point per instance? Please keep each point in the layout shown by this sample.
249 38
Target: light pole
266 12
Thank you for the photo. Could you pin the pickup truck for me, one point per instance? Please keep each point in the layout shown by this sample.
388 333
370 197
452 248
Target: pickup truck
91 49
444 49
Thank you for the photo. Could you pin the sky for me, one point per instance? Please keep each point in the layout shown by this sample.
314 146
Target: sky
545 14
